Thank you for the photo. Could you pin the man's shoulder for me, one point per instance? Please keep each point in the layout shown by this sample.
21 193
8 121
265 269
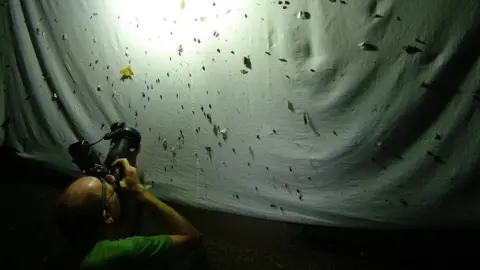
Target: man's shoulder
109 248
105 253
112 252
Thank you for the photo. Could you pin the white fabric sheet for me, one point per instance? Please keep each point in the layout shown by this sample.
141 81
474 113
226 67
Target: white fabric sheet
353 113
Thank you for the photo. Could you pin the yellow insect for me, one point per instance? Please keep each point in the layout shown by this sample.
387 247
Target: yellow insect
127 72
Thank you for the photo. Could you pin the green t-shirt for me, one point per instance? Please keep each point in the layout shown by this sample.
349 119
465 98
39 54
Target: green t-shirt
137 252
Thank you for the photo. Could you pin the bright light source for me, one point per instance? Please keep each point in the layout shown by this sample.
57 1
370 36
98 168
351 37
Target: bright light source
168 23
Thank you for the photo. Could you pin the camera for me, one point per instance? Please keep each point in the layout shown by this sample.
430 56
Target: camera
124 143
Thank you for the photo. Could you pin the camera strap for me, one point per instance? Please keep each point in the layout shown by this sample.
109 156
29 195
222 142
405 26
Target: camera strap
104 193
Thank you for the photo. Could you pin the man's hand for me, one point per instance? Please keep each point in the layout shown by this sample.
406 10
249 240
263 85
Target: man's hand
131 181
184 234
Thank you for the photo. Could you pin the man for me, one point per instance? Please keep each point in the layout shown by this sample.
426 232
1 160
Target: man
89 213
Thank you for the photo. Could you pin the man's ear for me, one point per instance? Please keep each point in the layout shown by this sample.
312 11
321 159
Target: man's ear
107 217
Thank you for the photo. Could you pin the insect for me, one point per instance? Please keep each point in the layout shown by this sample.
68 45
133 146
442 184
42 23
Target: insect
224 132
127 72
247 62
367 46
290 106
411 49
165 144
305 117
252 153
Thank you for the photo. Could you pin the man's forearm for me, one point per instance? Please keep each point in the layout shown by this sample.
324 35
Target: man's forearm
180 224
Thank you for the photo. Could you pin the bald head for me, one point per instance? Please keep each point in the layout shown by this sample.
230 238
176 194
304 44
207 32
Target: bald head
82 189
81 212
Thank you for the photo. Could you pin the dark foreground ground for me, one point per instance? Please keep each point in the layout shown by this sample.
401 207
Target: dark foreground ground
30 241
